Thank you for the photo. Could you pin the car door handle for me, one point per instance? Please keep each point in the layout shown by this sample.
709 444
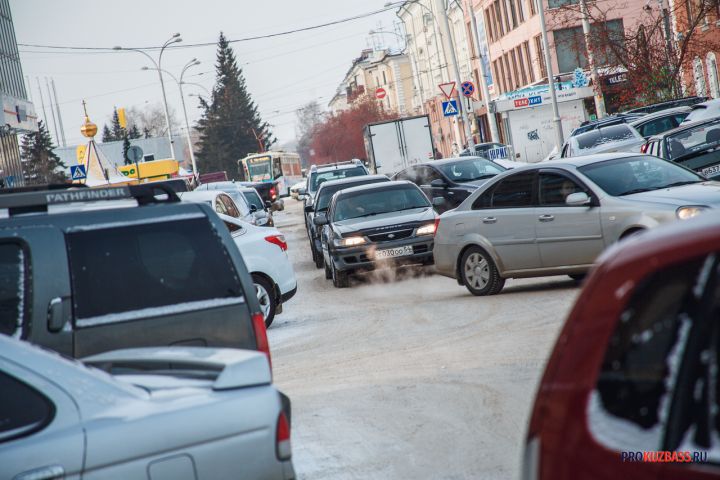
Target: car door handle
489 220
546 218
52 472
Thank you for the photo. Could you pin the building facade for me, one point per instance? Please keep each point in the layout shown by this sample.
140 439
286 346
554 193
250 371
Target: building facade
18 114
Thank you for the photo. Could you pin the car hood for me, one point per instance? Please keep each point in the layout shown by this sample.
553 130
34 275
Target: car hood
705 193
390 218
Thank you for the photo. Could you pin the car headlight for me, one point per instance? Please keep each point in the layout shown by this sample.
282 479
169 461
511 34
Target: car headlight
428 229
351 241
683 213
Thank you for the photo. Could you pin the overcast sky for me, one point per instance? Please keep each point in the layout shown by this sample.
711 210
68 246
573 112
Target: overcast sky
282 73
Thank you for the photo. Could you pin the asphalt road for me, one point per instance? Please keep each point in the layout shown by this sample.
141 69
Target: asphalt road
405 374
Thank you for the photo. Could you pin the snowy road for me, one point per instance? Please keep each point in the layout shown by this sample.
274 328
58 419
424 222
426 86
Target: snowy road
410 377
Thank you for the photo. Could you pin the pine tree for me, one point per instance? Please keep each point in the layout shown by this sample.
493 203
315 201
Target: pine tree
228 120
134 132
40 164
118 132
126 147
107 135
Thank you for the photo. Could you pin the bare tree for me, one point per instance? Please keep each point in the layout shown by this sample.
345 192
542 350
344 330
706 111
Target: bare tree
656 67
150 119
308 118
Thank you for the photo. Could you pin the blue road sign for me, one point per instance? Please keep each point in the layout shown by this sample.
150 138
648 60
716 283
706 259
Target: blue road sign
450 108
467 88
77 172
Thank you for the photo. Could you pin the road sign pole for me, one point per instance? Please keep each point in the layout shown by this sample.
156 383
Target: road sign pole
445 29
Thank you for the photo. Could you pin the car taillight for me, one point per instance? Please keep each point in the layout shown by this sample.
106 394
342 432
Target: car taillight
273 193
278 240
283 450
644 148
437 225
258 321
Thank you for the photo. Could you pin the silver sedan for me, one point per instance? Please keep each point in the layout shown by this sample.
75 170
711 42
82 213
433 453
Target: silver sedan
214 415
556 218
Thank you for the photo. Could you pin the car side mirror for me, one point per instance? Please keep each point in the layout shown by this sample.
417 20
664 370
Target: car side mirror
309 209
268 204
438 201
577 199
302 191
253 208
438 183
320 219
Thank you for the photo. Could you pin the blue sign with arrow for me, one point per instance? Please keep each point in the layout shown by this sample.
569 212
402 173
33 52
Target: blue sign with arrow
450 108
78 172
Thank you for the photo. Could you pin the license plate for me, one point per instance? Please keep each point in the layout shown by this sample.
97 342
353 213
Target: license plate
393 252
710 171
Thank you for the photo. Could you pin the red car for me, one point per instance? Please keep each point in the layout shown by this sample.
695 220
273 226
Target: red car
632 388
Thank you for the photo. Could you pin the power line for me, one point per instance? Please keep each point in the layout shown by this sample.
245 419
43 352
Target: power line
206 44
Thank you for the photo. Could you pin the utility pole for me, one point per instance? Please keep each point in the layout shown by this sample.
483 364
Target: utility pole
42 102
668 33
57 135
494 134
599 99
57 107
559 140
445 28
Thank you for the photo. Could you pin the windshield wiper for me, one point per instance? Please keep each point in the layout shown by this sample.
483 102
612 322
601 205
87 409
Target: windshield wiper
409 208
636 190
685 182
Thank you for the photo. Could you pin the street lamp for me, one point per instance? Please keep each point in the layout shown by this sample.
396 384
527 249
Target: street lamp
174 39
180 83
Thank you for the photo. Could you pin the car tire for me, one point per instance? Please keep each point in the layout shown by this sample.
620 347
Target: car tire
479 273
265 292
340 279
328 270
317 256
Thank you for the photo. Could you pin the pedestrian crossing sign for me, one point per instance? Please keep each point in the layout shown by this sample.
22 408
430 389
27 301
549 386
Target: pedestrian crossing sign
450 108
77 172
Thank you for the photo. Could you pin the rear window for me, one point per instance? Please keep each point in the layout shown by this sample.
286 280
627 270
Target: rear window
12 288
319 177
165 266
596 138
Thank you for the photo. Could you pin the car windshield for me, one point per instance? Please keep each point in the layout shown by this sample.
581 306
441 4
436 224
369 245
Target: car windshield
694 140
603 136
470 170
625 176
376 202
317 178
325 194
259 169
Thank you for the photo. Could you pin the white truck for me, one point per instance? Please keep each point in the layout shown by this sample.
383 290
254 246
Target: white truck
394 145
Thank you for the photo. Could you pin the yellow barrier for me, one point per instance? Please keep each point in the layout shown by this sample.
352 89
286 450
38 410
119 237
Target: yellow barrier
155 170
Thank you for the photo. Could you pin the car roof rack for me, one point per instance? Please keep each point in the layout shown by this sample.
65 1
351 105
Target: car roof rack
38 199
354 161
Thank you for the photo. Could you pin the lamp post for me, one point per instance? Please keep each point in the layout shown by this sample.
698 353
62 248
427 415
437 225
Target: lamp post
551 81
158 65
180 82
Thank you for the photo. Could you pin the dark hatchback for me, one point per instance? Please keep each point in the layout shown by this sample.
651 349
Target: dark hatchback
322 201
447 183
694 145
390 223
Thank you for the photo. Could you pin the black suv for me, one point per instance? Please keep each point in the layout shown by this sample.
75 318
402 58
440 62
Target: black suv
451 180
89 270
323 173
383 223
322 202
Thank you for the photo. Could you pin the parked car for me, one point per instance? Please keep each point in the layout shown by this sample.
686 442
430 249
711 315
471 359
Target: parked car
387 223
222 202
616 119
245 197
656 107
264 251
215 414
555 219
630 387
95 269
659 122
323 173
322 202
452 180
693 145
604 139
703 111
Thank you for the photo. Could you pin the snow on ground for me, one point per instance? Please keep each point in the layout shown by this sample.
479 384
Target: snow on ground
407 375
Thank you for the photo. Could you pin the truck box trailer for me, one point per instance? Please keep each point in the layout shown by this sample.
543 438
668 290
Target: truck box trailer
394 145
